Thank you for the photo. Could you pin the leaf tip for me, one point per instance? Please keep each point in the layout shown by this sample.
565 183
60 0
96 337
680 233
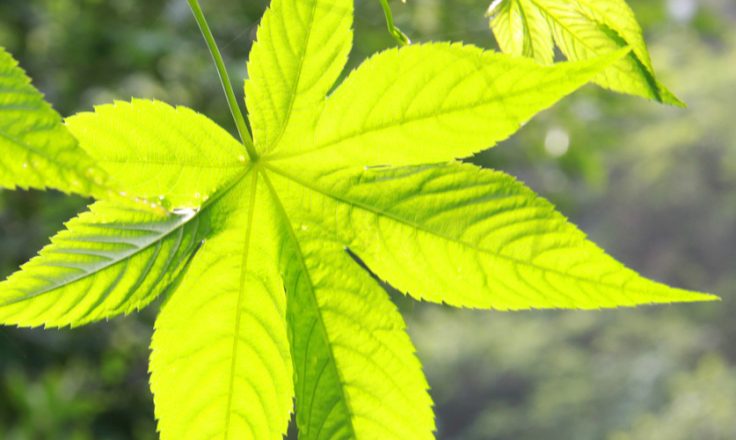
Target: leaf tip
669 98
686 296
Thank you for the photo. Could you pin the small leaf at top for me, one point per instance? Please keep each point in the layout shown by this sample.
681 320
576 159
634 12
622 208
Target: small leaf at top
522 30
582 29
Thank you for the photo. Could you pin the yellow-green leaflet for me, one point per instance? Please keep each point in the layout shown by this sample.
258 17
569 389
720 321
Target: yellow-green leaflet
172 156
37 150
266 258
220 365
110 260
434 102
469 238
356 373
301 48
582 29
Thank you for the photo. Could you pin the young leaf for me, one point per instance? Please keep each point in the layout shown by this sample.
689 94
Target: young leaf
110 260
356 373
435 102
468 237
220 365
302 47
582 29
38 152
173 156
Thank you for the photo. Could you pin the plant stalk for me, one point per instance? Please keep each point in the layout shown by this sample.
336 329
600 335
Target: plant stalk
232 102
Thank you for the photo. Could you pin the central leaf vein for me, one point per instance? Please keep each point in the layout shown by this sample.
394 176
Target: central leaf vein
239 303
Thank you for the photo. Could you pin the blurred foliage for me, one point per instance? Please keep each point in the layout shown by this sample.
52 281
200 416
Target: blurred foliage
656 186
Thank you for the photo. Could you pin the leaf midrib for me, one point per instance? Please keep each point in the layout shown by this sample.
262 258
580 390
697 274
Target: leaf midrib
293 93
239 303
527 31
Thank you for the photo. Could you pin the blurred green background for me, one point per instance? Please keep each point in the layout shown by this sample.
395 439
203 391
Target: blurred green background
656 186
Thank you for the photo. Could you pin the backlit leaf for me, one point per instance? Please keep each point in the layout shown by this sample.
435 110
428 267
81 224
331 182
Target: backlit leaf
356 373
220 365
435 102
173 156
301 48
469 237
582 29
110 260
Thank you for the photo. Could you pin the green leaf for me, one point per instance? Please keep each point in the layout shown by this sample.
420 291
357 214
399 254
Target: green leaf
301 48
110 260
468 237
173 156
356 373
38 152
435 102
582 29
220 365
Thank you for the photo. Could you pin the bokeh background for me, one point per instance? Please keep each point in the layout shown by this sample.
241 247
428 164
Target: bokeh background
656 186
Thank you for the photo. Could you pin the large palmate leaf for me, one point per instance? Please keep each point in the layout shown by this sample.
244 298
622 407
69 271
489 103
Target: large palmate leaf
435 102
261 253
173 156
582 29
37 151
468 237
110 260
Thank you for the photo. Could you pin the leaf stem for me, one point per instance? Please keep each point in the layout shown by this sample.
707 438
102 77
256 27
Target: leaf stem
224 80
392 29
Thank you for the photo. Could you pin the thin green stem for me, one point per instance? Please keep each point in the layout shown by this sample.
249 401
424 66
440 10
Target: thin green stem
401 37
227 86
